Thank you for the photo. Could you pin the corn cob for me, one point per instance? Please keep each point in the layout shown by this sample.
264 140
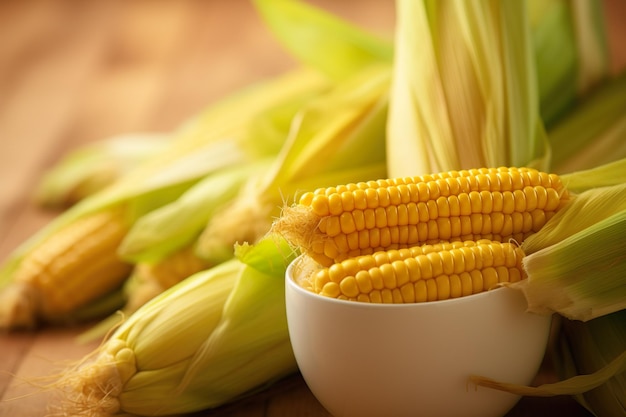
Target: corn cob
66 271
420 273
332 224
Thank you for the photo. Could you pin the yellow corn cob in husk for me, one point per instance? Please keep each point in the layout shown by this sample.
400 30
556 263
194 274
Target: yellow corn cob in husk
206 341
177 225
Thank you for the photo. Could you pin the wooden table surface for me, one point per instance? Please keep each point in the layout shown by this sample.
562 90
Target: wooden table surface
75 72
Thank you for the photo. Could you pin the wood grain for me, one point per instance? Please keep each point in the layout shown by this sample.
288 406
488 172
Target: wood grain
76 72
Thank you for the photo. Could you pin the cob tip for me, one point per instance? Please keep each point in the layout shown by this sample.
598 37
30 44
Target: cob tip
243 220
92 387
298 225
18 306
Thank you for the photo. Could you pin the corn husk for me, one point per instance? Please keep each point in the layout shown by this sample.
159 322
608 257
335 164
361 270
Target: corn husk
464 93
176 225
92 167
584 275
321 40
570 51
586 347
611 173
575 263
554 46
594 132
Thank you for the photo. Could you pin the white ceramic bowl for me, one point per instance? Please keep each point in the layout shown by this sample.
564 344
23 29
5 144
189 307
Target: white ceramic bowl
362 359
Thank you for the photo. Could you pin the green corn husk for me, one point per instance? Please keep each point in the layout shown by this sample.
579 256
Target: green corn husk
554 45
321 40
337 138
611 173
586 347
178 224
570 50
583 276
211 339
594 132
464 92
94 166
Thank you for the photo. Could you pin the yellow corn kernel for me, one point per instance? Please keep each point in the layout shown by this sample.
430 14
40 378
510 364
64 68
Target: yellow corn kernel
494 203
74 266
422 273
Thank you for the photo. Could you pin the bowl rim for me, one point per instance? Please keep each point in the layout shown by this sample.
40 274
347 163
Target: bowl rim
363 305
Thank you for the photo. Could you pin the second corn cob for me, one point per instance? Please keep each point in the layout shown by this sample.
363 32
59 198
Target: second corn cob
420 273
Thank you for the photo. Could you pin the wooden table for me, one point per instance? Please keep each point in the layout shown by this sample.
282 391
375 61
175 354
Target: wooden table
75 72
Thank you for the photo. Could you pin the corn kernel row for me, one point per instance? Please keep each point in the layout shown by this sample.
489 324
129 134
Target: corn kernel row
421 273
335 223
